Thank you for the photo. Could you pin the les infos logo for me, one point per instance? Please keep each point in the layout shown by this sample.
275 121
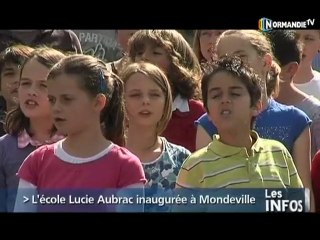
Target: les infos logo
276 201
266 24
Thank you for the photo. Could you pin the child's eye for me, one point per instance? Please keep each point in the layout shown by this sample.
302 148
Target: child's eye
235 94
215 96
135 95
24 83
66 99
52 100
8 74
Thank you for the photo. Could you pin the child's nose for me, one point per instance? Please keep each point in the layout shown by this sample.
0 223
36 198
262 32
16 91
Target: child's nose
32 92
146 100
55 107
225 101
145 56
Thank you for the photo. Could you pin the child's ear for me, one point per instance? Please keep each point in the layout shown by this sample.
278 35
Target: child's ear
267 60
293 68
257 108
100 102
288 71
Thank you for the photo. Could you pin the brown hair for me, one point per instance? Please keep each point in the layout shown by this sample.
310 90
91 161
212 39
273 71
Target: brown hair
94 78
16 121
197 48
237 68
185 73
16 55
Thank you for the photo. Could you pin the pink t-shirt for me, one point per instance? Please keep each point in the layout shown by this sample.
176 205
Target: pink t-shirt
115 167
56 173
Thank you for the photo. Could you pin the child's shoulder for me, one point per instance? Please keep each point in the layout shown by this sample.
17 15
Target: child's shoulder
174 148
271 145
8 143
7 138
290 114
199 156
316 75
122 154
286 109
196 105
45 149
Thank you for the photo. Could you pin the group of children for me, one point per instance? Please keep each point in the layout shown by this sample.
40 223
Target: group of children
77 125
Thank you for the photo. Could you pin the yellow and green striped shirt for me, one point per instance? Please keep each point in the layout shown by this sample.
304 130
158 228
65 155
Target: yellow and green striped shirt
268 165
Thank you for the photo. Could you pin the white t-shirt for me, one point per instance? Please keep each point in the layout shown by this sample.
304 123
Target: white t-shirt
312 87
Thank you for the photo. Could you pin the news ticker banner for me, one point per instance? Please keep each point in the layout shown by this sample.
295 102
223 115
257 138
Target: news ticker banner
156 200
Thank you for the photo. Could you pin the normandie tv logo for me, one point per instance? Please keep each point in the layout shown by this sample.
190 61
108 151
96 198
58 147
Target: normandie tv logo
266 24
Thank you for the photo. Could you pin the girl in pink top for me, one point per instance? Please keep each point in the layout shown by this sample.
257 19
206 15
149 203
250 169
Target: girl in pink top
87 105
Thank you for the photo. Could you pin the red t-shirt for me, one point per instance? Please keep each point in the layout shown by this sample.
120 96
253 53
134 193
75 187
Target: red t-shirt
181 129
315 176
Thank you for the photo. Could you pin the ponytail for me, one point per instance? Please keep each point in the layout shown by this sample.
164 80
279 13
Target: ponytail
113 115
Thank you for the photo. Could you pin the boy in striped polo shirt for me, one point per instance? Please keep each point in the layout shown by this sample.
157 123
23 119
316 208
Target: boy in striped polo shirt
237 157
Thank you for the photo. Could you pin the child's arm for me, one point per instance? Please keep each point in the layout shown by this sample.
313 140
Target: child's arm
202 138
205 131
296 182
301 156
26 191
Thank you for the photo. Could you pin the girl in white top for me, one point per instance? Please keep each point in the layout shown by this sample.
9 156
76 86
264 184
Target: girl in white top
306 78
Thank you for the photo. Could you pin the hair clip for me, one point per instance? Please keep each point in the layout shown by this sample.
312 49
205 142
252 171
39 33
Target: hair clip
103 84
8 50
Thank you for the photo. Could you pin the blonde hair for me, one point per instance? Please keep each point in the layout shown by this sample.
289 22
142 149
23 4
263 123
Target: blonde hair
196 46
159 78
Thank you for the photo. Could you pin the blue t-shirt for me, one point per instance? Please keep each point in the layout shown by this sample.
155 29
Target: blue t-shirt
279 122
